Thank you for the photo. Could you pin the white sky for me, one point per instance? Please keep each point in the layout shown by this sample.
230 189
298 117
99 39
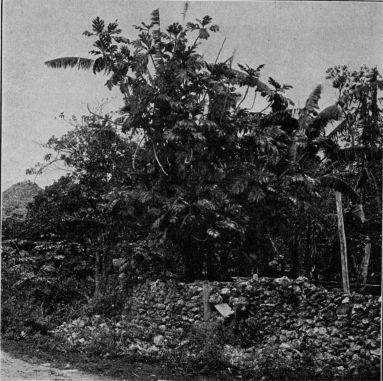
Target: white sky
297 41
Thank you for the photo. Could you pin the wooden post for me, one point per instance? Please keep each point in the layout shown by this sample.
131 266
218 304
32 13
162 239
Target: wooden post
342 240
205 299
367 249
366 259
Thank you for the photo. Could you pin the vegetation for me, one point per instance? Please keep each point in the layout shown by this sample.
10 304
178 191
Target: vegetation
185 172
183 181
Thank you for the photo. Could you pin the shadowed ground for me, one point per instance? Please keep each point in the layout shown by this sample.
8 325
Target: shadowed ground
15 369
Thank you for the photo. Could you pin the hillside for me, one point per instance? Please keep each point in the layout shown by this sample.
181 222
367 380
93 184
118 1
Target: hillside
17 197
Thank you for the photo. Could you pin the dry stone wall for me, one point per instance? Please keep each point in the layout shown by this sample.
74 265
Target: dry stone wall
272 325
339 330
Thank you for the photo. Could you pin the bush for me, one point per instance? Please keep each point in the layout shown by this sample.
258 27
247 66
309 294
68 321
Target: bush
15 315
38 279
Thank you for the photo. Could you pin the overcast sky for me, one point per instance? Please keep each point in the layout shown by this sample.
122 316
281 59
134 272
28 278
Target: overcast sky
297 41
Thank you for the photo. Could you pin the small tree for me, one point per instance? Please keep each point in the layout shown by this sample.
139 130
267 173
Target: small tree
209 157
74 207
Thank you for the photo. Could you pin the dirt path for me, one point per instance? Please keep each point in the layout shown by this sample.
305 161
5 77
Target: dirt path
15 369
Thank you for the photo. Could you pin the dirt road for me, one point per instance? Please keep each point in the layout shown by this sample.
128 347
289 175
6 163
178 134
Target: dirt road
15 369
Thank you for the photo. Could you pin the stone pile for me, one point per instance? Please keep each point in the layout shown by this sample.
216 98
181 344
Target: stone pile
280 318
165 308
291 315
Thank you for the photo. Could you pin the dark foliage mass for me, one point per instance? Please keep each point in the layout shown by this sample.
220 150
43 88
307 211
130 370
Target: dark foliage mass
185 181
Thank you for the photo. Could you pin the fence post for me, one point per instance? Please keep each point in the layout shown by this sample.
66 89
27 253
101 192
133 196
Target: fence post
343 246
206 290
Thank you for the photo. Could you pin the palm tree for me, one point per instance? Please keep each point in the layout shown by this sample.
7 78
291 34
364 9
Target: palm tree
105 36
70 62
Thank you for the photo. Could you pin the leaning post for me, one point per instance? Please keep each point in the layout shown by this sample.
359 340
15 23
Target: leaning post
342 240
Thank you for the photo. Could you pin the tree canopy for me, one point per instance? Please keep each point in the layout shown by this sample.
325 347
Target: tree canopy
184 179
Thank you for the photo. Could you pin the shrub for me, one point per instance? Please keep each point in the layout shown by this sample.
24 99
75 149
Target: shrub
37 281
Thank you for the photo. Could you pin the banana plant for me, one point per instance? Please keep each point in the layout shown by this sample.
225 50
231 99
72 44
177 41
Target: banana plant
362 100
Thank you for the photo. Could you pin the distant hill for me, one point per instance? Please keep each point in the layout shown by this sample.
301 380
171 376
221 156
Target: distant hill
17 197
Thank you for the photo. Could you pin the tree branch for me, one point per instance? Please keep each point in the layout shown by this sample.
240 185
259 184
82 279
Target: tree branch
247 90
157 160
102 117
220 50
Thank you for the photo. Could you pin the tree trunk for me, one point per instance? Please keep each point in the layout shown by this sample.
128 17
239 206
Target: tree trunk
342 240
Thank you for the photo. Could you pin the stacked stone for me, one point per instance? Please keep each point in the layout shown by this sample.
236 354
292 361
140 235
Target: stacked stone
166 308
335 327
290 317
292 314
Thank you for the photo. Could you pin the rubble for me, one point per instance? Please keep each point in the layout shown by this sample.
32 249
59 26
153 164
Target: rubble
292 316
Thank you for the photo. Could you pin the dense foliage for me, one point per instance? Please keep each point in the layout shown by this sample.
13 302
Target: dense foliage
40 280
184 180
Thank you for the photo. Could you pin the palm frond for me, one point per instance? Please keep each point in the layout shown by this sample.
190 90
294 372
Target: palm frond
263 88
324 143
70 62
278 116
339 185
339 129
311 107
287 113
327 115
332 112
155 17
359 152
312 100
